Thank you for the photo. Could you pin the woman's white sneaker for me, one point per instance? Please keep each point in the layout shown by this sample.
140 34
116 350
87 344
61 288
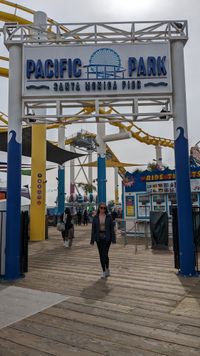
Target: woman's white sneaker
103 275
107 272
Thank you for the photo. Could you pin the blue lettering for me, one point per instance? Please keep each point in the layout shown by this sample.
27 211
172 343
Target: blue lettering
123 84
76 70
141 67
132 62
56 68
48 71
161 65
30 68
69 68
39 71
61 87
55 87
63 66
78 87
151 66
87 86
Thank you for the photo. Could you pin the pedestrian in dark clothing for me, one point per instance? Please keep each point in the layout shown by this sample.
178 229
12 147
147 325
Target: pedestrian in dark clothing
103 234
114 214
85 217
79 217
68 233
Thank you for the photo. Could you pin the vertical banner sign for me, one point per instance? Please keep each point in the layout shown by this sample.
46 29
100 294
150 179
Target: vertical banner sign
130 206
38 183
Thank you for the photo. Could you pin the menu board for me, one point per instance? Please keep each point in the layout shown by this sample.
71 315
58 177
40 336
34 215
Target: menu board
143 205
195 185
161 187
170 186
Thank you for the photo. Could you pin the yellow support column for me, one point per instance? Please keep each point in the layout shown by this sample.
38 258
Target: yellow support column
38 183
116 172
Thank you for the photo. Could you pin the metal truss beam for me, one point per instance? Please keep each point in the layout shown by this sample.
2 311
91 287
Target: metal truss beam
97 33
132 110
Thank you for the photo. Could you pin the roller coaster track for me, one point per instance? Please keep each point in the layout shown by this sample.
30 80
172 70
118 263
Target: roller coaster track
4 16
3 122
139 135
135 131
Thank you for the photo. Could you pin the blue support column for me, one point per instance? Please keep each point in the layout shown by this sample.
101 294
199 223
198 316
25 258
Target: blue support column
184 202
13 218
61 171
101 179
183 190
61 190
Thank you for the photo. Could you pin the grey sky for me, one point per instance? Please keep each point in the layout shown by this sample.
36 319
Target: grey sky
131 10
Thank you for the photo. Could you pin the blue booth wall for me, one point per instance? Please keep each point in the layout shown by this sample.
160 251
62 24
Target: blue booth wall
154 190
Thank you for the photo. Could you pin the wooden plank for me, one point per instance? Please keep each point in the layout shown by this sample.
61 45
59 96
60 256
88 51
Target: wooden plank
118 336
91 343
9 348
41 344
138 311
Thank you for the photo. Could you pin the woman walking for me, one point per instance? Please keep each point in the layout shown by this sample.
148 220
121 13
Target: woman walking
68 233
103 233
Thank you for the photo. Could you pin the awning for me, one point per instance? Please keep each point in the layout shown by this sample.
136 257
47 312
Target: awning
54 153
110 163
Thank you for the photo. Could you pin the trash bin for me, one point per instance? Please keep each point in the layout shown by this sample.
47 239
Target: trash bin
159 230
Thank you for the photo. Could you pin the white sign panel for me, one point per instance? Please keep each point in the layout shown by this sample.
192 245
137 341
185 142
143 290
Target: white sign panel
170 186
77 71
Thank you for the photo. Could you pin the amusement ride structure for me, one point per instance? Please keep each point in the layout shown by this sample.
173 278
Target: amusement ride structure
88 111
58 111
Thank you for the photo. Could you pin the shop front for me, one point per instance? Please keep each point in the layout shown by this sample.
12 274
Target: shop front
154 191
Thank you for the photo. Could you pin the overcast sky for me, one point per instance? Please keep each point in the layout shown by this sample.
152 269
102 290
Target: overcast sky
128 10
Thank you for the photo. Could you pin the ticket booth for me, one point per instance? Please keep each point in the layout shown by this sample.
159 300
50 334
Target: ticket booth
171 202
159 202
143 205
154 191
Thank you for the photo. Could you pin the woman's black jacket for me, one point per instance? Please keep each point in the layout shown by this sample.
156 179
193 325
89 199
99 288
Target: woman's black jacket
109 229
68 222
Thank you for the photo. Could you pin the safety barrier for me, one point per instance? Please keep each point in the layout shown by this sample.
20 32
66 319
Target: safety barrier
136 232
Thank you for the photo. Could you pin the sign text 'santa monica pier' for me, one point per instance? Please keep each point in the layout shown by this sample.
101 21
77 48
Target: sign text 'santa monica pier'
83 70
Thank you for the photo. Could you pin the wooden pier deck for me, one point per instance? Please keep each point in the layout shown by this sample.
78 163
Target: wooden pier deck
143 308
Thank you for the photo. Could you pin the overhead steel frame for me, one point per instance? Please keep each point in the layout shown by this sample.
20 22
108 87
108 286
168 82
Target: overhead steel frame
99 33
174 32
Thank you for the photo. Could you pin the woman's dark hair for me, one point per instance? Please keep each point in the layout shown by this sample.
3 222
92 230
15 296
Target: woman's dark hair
104 204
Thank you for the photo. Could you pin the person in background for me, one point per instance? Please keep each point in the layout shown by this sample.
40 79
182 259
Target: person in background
79 216
114 215
68 233
103 234
85 217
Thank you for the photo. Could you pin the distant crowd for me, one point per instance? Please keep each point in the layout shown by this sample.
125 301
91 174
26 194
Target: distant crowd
85 216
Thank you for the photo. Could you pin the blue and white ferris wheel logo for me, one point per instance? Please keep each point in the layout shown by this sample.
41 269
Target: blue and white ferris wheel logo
104 63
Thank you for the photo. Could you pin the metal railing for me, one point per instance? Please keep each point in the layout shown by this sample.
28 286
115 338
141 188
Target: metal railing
97 33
